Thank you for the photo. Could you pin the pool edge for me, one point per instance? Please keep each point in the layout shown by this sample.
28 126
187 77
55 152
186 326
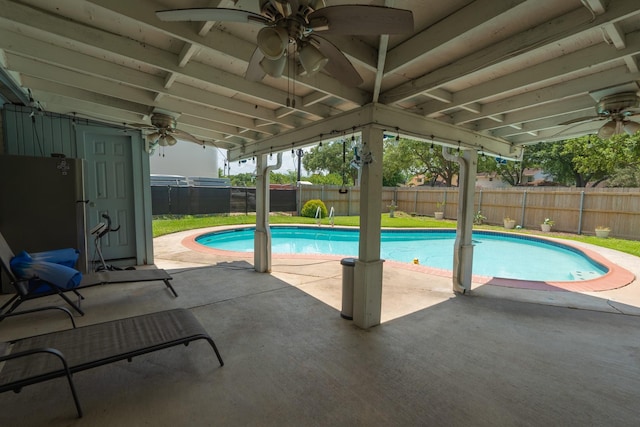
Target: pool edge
616 277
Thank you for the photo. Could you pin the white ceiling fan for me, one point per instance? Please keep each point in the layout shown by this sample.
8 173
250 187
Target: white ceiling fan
291 28
163 131
616 109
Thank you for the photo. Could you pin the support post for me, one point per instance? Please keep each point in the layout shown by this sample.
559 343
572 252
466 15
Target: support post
367 298
262 235
463 247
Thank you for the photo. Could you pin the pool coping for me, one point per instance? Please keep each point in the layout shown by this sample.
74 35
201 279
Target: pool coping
616 277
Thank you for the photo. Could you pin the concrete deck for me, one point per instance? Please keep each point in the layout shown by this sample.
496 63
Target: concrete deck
500 356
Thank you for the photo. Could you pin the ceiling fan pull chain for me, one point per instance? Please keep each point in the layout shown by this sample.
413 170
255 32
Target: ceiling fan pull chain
288 83
293 84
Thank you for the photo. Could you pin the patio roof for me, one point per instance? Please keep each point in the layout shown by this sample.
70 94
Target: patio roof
512 71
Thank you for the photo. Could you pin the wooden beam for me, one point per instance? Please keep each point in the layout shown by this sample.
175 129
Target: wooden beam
561 28
565 65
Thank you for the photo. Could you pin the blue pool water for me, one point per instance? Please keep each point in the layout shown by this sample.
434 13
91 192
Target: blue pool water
502 255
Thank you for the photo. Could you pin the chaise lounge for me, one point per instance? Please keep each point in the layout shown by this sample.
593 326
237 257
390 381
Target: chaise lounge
72 281
44 357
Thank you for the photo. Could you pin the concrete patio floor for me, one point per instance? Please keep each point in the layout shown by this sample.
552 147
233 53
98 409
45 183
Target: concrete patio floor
499 356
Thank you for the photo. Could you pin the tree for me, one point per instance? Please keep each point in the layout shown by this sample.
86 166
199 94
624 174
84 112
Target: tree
580 161
332 158
617 156
420 157
243 180
283 178
587 160
626 177
511 172
328 179
395 164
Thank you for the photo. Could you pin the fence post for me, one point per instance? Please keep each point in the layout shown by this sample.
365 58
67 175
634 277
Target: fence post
524 207
246 201
444 200
415 202
581 211
480 201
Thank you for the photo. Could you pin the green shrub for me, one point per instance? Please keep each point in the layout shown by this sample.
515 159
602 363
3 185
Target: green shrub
309 209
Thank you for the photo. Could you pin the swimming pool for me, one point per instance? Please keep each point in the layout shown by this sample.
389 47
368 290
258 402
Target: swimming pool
503 255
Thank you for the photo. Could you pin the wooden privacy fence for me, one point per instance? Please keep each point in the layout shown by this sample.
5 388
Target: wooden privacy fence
573 210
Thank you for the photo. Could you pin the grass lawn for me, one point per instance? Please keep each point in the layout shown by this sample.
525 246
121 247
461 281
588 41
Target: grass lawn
163 226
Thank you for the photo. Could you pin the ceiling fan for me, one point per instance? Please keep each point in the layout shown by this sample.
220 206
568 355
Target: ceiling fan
163 131
616 109
291 28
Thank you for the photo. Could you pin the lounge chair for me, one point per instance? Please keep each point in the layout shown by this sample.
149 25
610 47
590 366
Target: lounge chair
37 309
32 360
58 277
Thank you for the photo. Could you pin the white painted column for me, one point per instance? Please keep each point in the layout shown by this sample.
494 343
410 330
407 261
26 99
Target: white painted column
262 235
463 246
367 296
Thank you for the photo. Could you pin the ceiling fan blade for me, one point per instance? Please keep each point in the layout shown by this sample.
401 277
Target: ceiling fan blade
361 20
185 136
212 14
141 126
255 73
338 66
582 119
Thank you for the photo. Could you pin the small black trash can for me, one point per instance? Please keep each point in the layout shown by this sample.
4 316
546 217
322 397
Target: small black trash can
348 267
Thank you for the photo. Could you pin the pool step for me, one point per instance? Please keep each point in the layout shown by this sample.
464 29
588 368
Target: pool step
585 275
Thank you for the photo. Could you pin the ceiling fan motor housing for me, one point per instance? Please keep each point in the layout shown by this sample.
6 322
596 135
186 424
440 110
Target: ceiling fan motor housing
617 104
278 9
163 121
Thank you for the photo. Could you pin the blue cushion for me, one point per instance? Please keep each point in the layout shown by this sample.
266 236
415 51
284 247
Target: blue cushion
26 267
67 257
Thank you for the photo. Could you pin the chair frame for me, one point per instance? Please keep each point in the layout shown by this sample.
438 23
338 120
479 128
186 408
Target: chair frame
88 280
56 345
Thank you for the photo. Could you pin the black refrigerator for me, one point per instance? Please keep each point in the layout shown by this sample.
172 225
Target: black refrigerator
42 204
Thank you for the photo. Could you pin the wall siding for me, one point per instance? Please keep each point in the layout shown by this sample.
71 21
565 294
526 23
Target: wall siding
38 134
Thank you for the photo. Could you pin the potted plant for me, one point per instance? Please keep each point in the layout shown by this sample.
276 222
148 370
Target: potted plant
439 213
478 218
547 224
602 231
392 209
508 222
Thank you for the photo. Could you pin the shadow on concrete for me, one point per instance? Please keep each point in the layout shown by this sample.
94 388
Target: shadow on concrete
291 360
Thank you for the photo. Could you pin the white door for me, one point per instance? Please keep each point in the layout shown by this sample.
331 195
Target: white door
109 189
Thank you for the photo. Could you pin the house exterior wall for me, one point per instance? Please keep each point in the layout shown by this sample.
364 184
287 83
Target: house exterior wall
185 158
28 132
490 181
